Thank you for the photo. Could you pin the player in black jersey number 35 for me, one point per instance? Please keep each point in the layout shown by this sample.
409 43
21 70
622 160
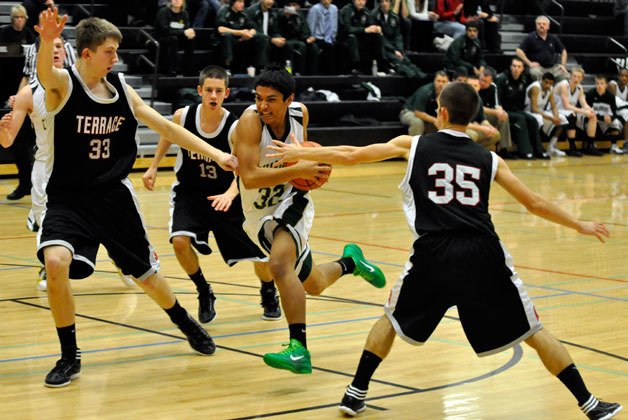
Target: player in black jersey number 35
90 199
457 257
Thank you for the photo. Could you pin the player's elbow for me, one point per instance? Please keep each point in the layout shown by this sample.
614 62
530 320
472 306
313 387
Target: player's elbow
535 205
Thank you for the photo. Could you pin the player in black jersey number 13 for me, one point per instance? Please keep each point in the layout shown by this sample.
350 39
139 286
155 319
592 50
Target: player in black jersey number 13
446 190
90 199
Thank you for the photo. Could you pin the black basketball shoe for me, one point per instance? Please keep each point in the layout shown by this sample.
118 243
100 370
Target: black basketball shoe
270 303
198 338
64 371
206 309
351 405
599 410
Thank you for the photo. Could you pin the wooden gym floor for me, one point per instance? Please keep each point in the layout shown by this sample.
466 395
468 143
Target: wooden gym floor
135 364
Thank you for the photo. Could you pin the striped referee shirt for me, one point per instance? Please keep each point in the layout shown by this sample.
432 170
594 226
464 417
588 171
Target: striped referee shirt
30 60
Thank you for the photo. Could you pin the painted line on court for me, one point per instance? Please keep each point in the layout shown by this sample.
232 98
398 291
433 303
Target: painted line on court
517 355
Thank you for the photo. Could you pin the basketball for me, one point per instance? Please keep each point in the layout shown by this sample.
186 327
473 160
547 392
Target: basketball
305 184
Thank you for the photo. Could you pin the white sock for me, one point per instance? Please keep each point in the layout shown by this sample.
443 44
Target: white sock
552 143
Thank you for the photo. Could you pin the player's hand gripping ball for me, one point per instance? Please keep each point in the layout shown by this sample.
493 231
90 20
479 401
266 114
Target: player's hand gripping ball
306 184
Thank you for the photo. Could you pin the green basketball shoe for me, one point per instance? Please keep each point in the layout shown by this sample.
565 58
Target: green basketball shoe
363 267
294 358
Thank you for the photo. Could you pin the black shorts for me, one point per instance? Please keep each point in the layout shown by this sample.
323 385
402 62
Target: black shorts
474 273
109 217
192 215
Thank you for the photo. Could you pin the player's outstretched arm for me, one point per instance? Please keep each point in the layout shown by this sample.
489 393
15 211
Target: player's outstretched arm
342 155
150 176
246 139
541 207
11 123
179 135
54 80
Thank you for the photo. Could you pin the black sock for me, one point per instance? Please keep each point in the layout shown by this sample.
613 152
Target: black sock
267 285
297 331
177 313
67 338
199 281
347 265
572 144
571 378
366 368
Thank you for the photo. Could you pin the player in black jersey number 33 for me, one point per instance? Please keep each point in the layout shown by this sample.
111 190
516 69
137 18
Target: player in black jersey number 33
90 199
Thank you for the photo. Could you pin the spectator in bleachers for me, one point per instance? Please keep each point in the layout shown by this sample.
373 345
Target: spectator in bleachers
293 25
199 9
620 89
451 18
479 129
419 111
541 105
511 88
16 34
359 35
173 31
390 23
400 8
539 51
238 38
418 10
265 19
480 11
322 19
465 52
34 8
494 112
609 123
572 103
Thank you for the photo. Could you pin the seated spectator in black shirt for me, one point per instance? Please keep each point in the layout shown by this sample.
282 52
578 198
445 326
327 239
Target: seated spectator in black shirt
34 8
239 41
609 123
359 35
173 30
293 26
539 50
494 112
465 52
511 88
16 34
479 11
264 17
479 129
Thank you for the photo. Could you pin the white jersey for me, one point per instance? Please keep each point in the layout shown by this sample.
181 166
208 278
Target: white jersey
543 98
264 200
619 92
39 118
574 96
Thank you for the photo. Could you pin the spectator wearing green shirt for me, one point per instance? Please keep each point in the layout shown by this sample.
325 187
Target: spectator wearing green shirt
419 112
265 19
360 36
238 38
466 52
293 26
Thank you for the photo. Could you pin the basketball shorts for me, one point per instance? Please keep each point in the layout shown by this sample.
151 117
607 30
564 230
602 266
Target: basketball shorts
474 273
615 125
548 127
109 217
295 214
192 215
39 179
574 120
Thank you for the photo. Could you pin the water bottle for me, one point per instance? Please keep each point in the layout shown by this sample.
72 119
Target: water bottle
374 68
288 66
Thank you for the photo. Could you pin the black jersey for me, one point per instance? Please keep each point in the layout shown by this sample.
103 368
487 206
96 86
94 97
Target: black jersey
198 173
93 143
447 184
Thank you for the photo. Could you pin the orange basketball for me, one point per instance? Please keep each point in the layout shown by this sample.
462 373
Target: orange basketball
305 184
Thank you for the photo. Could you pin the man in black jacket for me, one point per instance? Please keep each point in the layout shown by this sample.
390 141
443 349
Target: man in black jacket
511 88
359 34
466 52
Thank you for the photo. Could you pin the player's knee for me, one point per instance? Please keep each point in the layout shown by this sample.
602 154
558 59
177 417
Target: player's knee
181 244
313 288
280 269
57 264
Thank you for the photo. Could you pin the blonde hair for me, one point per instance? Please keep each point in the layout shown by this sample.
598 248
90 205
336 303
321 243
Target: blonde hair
18 9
